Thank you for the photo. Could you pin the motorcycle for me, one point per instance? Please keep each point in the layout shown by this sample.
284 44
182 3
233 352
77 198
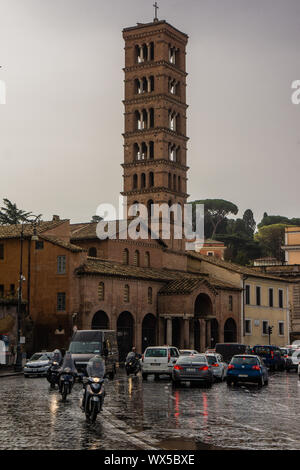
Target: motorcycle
67 376
132 364
53 374
53 371
94 390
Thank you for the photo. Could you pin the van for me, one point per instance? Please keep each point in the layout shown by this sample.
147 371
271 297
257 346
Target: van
272 356
159 360
228 350
86 344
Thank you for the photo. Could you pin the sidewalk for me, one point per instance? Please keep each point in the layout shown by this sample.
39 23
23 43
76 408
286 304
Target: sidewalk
8 371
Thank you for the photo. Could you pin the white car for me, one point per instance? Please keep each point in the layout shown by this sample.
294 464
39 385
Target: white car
218 366
188 352
159 360
295 360
38 364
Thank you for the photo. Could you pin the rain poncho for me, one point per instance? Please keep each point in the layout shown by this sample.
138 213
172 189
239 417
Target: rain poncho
131 356
57 356
96 367
68 363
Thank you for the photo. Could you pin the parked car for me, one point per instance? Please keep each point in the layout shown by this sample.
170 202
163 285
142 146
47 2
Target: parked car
187 352
299 370
272 356
85 344
218 366
194 369
228 350
159 360
247 368
287 353
38 364
294 360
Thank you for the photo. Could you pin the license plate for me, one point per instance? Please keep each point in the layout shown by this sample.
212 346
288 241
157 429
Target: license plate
243 375
155 364
190 370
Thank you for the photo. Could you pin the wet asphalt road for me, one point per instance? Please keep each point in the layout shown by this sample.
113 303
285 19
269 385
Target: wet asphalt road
151 415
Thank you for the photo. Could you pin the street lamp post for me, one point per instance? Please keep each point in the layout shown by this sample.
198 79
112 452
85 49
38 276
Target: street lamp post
33 223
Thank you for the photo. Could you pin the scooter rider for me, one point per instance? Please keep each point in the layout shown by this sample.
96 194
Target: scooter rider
94 368
55 365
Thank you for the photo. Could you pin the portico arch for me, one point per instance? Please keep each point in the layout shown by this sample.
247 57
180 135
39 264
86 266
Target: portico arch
125 334
148 331
230 331
100 321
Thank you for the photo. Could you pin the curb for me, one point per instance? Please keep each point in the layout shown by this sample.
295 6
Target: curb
11 374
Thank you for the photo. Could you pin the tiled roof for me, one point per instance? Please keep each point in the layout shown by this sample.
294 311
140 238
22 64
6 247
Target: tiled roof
62 243
187 285
233 267
14 231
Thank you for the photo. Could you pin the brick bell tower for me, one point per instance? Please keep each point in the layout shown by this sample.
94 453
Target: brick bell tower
155 141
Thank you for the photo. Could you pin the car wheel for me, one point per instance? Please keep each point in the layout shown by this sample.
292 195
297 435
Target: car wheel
267 382
261 381
144 376
229 382
156 376
176 383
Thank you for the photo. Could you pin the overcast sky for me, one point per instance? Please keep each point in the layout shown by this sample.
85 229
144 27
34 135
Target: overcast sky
60 131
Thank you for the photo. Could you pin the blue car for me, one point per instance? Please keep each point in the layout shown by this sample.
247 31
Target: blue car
247 368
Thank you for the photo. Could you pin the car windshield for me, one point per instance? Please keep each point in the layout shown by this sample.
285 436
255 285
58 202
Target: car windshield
192 360
211 359
262 350
89 347
186 353
156 352
247 361
39 357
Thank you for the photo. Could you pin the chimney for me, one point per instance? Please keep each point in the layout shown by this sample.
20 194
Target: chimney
55 218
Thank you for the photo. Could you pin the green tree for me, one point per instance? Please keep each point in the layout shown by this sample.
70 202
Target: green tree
216 212
96 218
10 214
249 222
271 239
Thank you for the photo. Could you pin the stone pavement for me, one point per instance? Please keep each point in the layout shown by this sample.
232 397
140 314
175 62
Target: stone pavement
8 371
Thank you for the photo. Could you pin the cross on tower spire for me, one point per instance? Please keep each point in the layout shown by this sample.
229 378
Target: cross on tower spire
156 7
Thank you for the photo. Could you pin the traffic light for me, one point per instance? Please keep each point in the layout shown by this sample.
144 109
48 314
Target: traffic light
270 329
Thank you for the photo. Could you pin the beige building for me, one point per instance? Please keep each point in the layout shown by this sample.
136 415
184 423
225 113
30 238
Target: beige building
264 299
292 245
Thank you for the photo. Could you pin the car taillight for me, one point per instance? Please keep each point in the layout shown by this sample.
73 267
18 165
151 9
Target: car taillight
256 367
215 365
231 366
272 354
178 367
142 357
203 368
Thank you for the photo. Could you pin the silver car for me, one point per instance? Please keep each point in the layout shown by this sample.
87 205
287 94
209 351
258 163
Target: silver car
218 366
194 369
38 364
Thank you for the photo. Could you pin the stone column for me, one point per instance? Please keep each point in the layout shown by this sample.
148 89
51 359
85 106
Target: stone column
202 335
138 337
169 331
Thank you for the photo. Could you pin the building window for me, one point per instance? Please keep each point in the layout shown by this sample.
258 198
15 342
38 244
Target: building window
61 264
101 291
12 290
281 328
1 290
247 295
39 245
258 295
1 251
271 300
61 301
248 327
265 325
280 298
126 293
92 252
126 256
147 259
210 253
136 259
149 295
230 303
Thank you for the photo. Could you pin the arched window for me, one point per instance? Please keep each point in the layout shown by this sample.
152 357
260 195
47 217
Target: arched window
101 291
135 181
126 293
143 180
147 259
149 295
151 149
136 259
126 256
174 182
169 181
151 179
179 184
92 252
